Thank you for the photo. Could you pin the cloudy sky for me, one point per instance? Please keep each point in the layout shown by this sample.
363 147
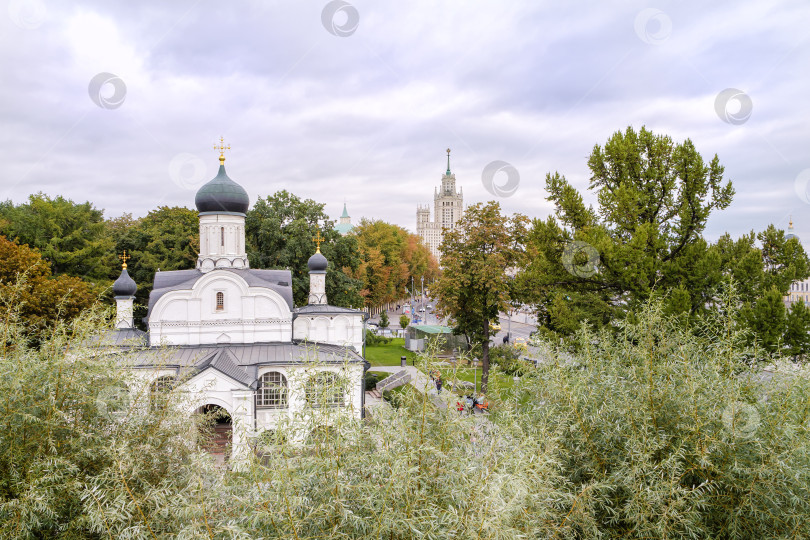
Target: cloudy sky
120 103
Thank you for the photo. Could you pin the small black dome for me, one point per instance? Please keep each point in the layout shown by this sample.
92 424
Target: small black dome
124 285
222 195
317 263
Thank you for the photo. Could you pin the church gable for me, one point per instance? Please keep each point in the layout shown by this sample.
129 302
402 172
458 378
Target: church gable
221 303
212 380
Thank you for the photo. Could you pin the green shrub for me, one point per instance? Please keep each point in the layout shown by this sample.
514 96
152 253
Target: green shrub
507 358
662 434
373 339
82 454
372 378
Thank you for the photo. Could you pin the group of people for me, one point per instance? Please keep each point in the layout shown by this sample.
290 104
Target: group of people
478 405
471 404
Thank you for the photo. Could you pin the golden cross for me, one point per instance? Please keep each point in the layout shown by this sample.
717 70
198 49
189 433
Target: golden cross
222 149
124 258
317 239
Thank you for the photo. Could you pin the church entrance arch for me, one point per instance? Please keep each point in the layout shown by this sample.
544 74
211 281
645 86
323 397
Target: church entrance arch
217 431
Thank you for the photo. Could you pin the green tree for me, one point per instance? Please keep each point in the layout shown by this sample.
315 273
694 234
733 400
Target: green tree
645 238
657 431
165 239
35 298
279 232
390 258
80 455
384 322
474 286
767 320
797 330
71 236
404 321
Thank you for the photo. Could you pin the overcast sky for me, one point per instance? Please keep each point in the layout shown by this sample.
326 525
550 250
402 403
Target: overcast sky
358 101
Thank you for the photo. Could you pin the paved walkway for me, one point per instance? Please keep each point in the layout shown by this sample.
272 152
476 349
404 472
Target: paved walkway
419 380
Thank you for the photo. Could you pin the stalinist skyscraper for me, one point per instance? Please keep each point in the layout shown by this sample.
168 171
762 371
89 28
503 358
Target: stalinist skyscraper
448 205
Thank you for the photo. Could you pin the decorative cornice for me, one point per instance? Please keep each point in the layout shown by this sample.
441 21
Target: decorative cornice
224 322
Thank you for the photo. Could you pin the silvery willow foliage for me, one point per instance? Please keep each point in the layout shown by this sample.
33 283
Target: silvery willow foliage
655 433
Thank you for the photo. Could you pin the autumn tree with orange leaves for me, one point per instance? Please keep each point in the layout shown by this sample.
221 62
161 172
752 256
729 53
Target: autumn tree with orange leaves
390 257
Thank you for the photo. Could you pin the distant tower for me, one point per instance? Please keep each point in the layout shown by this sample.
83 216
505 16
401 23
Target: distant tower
799 290
791 233
345 226
317 274
448 206
222 204
124 290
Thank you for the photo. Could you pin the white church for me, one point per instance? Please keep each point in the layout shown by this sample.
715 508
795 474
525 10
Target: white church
229 336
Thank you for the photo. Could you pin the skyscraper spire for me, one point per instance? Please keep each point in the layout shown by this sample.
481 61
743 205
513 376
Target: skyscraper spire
448 162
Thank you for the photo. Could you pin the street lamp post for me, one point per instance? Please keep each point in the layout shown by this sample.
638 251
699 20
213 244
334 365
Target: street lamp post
422 296
509 326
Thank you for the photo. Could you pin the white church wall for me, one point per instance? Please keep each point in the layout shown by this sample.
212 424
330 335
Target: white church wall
196 317
222 242
343 330
297 410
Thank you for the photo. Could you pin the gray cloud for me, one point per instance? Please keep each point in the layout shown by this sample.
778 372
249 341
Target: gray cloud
367 117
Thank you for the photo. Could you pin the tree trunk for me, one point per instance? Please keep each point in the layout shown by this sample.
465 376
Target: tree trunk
485 358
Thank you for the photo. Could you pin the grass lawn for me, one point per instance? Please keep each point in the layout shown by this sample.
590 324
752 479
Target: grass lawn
474 376
388 355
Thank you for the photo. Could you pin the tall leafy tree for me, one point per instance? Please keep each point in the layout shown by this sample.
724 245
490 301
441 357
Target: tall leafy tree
797 330
645 237
390 258
475 286
71 236
767 320
279 233
165 239
32 295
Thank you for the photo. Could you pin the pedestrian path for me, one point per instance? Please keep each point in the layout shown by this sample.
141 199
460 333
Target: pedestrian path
419 380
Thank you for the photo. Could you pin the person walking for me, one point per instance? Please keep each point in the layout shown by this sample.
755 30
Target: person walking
439 384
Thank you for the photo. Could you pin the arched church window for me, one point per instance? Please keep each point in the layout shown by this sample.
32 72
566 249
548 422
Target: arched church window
222 235
159 391
220 301
272 392
325 389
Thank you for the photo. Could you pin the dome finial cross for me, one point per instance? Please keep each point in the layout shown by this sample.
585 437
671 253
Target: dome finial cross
222 149
317 239
124 258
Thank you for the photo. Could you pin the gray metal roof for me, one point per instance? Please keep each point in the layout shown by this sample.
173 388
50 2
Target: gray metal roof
224 362
119 337
180 280
244 355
